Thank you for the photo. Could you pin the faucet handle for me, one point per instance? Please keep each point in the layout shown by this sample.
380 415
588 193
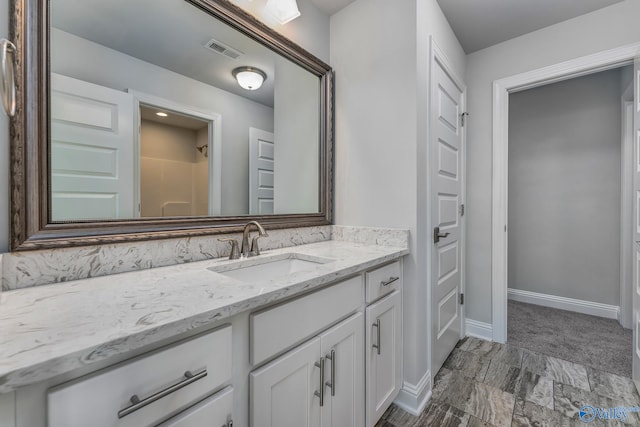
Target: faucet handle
235 253
255 250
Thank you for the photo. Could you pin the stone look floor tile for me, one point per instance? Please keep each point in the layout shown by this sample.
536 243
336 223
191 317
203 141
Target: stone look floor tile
620 389
490 351
504 377
442 414
487 403
559 370
468 364
568 400
528 414
484 384
536 389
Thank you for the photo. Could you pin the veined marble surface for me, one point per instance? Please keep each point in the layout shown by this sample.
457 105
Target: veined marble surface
35 268
371 235
51 330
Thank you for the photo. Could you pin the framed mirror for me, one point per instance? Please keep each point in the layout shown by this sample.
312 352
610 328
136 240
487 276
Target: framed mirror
191 121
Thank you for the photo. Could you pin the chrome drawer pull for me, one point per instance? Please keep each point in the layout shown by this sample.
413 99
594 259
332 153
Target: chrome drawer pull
332 382
390 281
136 403
320 393
377 345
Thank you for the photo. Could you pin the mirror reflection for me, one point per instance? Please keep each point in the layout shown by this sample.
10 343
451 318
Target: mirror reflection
175 114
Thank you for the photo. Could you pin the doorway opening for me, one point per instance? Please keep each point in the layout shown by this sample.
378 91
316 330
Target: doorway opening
566 209
178 152
502 89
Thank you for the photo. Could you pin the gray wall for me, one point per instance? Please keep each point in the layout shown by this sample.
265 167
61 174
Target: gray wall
564 189
604 29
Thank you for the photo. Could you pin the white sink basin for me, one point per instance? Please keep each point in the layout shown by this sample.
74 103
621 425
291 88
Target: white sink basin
268 268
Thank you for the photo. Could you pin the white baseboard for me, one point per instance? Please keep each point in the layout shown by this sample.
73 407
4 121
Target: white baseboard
414 398
479 329
563 303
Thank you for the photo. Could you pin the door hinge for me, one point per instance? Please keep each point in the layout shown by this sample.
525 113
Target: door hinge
462 299
462 118
462 209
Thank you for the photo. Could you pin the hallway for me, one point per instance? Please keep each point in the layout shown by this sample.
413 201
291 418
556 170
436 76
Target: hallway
489 384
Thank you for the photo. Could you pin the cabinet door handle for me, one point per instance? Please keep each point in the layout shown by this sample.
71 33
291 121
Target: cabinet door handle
332 382
7 80
378 344
320 393
390 281
136 403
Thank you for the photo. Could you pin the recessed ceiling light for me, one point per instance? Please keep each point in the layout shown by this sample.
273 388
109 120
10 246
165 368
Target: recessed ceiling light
161 114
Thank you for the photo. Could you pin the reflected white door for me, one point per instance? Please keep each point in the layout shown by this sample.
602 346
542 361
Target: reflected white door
636 216
91 151
261 161
446 198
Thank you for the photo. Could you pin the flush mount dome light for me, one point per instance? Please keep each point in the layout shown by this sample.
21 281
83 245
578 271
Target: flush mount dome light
283 10
161 114
249 78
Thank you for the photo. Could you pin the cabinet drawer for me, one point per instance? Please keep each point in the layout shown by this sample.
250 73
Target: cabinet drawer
214 411
279 328
383 281
159 379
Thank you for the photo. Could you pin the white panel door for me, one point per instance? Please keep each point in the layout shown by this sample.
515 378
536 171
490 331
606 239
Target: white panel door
282 392
636 216
383 362
446 199
92 156
261 161
343 349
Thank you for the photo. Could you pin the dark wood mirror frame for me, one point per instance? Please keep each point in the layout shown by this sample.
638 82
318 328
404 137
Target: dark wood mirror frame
29 131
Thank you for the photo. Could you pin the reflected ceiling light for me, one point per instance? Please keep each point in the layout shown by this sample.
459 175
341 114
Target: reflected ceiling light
283 10
249 78
161 114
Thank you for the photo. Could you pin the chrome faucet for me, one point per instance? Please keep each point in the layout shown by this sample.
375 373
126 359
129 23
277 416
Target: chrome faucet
255 250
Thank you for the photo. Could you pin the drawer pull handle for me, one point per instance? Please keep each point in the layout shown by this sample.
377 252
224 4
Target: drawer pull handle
136 403
390 281
320 393
377 326
332 382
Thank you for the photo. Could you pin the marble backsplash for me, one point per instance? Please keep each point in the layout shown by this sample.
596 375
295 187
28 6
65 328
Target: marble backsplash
34 268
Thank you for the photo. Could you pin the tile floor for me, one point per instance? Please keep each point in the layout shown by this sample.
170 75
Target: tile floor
489 384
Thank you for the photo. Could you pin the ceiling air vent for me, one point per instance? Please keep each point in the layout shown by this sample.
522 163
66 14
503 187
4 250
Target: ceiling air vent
223 49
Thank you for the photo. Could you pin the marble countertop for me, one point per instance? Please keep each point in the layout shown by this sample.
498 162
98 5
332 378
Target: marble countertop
51 330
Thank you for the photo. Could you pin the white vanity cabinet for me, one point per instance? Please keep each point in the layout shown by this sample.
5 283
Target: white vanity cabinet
214 411
148 389
318 384
384 340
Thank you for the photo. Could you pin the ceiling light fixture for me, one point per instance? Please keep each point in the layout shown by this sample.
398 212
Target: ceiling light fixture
283 10
161 114
249 78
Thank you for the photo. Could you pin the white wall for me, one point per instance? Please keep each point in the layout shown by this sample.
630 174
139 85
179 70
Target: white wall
296 127
604 29
310 30
564 189
380 54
